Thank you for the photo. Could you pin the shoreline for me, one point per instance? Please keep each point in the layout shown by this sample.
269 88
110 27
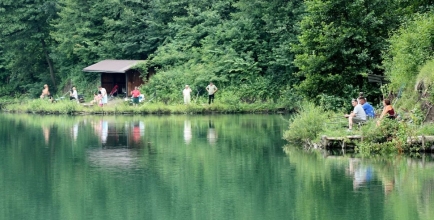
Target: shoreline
121 108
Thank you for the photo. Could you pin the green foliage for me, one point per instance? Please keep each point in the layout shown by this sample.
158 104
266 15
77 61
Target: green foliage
417 116
341 41
252 49
25 40
43 106
339 103
410 48
306 125
240 55
387 138
424 82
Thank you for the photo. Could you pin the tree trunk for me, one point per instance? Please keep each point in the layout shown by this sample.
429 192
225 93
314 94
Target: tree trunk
50 64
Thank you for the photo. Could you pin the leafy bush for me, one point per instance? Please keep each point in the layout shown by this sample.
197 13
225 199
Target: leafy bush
339 103
389 137
411 46
306 124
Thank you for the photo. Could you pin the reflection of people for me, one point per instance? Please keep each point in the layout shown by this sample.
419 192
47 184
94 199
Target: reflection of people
388 111
135 94
136 133
187 131
361 174
45 92
103 94
211 88
186 93
73 94
46 133
104 131
389 185
357 115
211 133
75 131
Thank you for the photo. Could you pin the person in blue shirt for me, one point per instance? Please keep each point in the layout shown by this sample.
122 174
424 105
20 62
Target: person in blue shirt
369 110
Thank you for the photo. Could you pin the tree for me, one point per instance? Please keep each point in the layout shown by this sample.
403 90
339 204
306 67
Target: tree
25 32
411 46
340 42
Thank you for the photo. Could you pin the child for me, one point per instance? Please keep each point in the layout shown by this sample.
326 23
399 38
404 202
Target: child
97 98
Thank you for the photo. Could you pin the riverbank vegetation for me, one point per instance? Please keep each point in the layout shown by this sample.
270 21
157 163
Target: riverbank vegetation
259 51
119 107
408 66
262 55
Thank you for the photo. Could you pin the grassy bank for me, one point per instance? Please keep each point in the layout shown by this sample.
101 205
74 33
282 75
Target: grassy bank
121 107
309 124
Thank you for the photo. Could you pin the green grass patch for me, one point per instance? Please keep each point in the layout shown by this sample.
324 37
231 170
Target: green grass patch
43 106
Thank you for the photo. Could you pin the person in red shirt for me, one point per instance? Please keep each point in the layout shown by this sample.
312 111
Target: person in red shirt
135 93
388 111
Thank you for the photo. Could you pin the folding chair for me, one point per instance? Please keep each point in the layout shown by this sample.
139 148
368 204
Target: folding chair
114 91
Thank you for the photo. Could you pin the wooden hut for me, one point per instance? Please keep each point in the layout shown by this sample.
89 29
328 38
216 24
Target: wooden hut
118 72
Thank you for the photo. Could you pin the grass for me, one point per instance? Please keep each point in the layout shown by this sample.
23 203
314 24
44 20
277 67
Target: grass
121 107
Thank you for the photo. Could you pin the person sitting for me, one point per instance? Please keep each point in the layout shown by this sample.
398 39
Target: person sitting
369 110
357 115
45 92
97 98
387 112
73 94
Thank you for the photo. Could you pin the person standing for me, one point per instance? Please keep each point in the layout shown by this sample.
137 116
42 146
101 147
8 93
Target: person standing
73 94
357 115
103 94
135 94
186 93
212 89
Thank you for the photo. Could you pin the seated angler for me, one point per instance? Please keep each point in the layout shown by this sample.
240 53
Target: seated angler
388 111
357 115
369 110
73 95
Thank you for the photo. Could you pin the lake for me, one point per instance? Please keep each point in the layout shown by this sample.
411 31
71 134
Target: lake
195 167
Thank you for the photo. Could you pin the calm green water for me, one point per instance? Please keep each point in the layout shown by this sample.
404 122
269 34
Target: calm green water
194 167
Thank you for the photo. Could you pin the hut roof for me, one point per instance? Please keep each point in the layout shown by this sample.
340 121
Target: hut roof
112 66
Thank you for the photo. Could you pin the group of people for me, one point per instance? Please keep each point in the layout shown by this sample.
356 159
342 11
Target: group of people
73 94
101 99
211 88
363 111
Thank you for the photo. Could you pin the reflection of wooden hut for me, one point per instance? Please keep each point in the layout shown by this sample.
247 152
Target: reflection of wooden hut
118 72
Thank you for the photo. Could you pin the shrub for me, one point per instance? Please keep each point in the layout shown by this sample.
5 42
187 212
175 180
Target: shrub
306 124
389 137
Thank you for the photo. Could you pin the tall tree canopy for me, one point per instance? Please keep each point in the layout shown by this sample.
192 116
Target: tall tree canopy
255 50
25 37
341 41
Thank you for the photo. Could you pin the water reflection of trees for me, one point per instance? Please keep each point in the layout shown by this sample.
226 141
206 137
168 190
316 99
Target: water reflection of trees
246 177
86 178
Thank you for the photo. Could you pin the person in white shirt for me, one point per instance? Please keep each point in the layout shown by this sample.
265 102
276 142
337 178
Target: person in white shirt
73 94
186 93
104 95
212 89
357 115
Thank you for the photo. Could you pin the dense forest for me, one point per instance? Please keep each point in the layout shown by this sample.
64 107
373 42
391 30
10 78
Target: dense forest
253 50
